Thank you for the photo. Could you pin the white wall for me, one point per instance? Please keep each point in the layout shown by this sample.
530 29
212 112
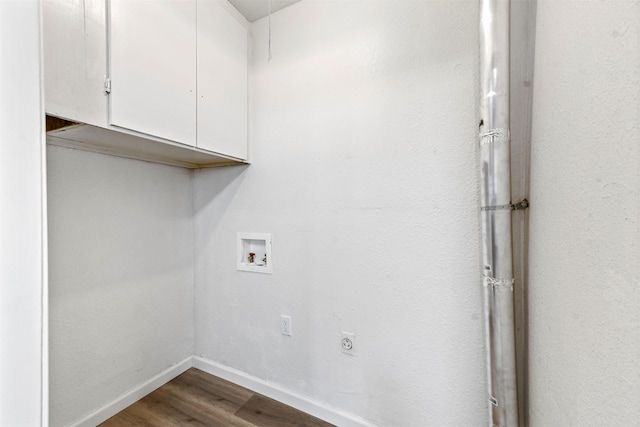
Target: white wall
585 215
121 276
23 364
364 169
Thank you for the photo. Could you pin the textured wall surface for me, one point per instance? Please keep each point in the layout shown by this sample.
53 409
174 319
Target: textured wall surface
363 137
121 276
585 215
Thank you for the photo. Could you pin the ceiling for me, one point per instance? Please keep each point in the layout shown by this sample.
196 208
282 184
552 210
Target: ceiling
256 9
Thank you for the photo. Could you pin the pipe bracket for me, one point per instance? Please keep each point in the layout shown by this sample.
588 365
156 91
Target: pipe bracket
497 207
524 204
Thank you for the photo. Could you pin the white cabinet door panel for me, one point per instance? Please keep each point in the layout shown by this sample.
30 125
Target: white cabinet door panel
153 67
222 81
75 59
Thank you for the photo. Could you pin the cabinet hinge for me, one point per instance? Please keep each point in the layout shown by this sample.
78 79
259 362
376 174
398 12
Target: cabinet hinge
107 85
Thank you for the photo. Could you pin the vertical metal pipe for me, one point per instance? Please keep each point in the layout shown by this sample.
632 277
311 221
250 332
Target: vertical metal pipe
495 208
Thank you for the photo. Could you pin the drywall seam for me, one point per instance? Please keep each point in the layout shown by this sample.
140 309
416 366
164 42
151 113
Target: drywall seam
134 395
281 394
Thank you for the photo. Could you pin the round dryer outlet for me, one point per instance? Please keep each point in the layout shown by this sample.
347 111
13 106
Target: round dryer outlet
347 343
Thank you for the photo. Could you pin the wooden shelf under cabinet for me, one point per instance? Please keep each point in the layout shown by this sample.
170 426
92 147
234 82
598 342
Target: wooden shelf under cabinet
65 133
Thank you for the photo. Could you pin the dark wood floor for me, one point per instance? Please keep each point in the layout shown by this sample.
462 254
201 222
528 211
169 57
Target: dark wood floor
196 398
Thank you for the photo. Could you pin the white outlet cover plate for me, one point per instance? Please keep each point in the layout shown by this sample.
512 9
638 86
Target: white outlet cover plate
285 325
348 343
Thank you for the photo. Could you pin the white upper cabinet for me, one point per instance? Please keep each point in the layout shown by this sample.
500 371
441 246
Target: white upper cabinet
222 81
75 59
173 72
153 67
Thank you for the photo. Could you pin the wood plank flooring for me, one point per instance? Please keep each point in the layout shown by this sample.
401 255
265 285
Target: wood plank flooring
196 398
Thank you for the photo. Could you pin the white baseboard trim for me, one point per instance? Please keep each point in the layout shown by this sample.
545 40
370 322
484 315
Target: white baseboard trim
134 395
281 394
274 391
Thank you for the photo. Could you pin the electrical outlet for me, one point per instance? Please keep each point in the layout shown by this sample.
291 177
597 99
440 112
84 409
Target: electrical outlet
347 343
285 325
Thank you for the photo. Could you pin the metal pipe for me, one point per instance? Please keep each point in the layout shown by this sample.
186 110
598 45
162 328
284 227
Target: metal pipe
495 209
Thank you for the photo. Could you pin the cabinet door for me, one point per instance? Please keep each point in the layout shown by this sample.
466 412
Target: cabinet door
153 67
75 59
222 81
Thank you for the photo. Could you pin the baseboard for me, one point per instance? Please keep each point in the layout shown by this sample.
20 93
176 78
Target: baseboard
281 394
274 391
134 395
